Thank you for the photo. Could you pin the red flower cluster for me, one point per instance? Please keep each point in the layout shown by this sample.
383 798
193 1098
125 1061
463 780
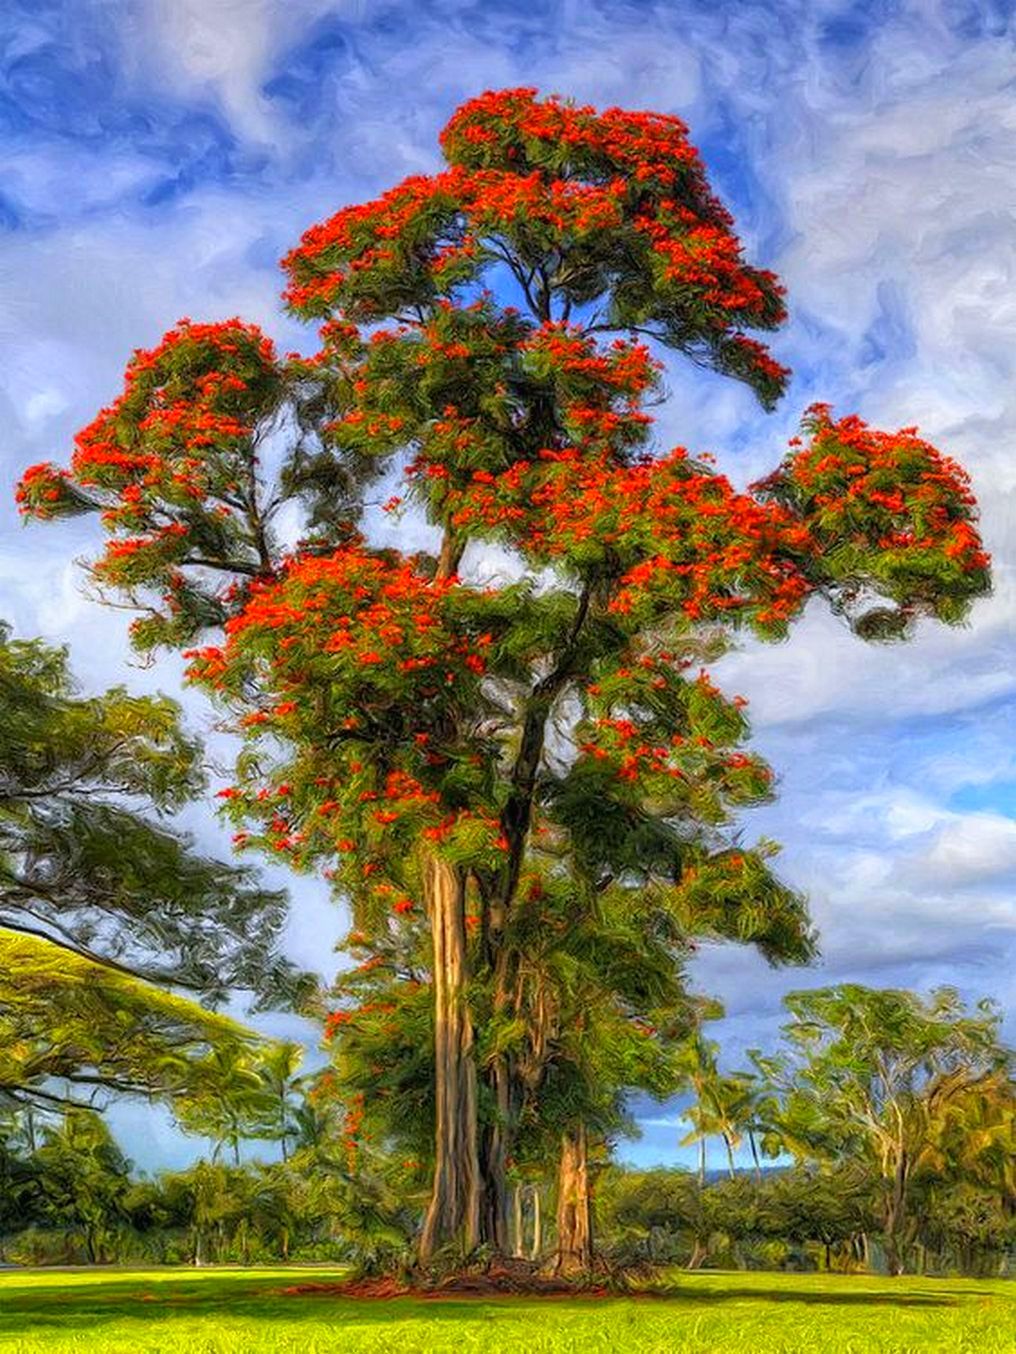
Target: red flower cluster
674 533
668 740
887 512
513 128
621 198
172 454
43 491
364 660
191 393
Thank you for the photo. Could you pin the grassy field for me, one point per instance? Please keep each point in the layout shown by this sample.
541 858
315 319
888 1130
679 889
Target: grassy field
235 1311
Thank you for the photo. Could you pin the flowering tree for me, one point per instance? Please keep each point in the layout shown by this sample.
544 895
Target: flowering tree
433 738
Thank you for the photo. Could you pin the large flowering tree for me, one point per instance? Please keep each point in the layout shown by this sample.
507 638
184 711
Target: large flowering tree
437 742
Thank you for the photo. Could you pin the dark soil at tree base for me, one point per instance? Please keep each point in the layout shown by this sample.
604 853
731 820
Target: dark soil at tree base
509 1279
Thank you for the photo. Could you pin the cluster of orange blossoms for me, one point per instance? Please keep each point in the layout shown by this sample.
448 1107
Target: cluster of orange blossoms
174 448
898 490
181 398
533 176
369 611
348 649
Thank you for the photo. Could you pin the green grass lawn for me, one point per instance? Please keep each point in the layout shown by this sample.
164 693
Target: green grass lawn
233 1311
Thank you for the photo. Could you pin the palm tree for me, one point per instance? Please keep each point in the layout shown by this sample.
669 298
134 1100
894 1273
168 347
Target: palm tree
278 1069
699 1064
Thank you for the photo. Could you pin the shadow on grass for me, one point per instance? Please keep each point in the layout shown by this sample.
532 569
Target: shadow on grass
811 1296
69 1308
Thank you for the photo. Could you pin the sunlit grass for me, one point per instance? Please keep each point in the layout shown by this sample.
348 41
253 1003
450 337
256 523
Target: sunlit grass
233 1311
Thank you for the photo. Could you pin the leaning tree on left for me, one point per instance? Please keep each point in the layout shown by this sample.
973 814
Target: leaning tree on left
441 738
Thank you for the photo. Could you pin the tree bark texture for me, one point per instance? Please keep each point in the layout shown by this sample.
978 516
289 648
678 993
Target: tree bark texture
518 1229
453 1214
574 1214
896 1217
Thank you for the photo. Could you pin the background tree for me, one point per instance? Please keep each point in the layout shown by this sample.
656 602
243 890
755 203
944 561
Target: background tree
702 1075
282 1082
102 908
72 1030
870 1074
425 733
84 862
82 1181
238 1101
833 1206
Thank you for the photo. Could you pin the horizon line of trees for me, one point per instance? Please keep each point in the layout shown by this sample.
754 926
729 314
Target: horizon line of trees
936 1082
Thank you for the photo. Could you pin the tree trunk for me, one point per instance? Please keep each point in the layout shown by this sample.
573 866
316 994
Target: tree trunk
754 1156
731 1168
537 1223
495 1219
699 1253
574 1215
702 1162
895 1218
453 1214
518 1231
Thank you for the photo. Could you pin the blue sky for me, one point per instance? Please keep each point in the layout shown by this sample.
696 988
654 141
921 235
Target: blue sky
158 156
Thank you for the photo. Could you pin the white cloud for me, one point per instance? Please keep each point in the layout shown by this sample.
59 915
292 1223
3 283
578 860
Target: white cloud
969 849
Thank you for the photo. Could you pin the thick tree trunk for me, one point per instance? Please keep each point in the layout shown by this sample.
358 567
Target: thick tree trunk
503 1094
453 1215
574 1214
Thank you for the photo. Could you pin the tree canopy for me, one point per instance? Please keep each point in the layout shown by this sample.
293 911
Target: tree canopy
103 907
84 860
442 740
887 1077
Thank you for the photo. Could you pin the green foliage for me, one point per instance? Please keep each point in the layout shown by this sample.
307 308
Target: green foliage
911 1087
81 1182
83 864
101 908
70 1027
